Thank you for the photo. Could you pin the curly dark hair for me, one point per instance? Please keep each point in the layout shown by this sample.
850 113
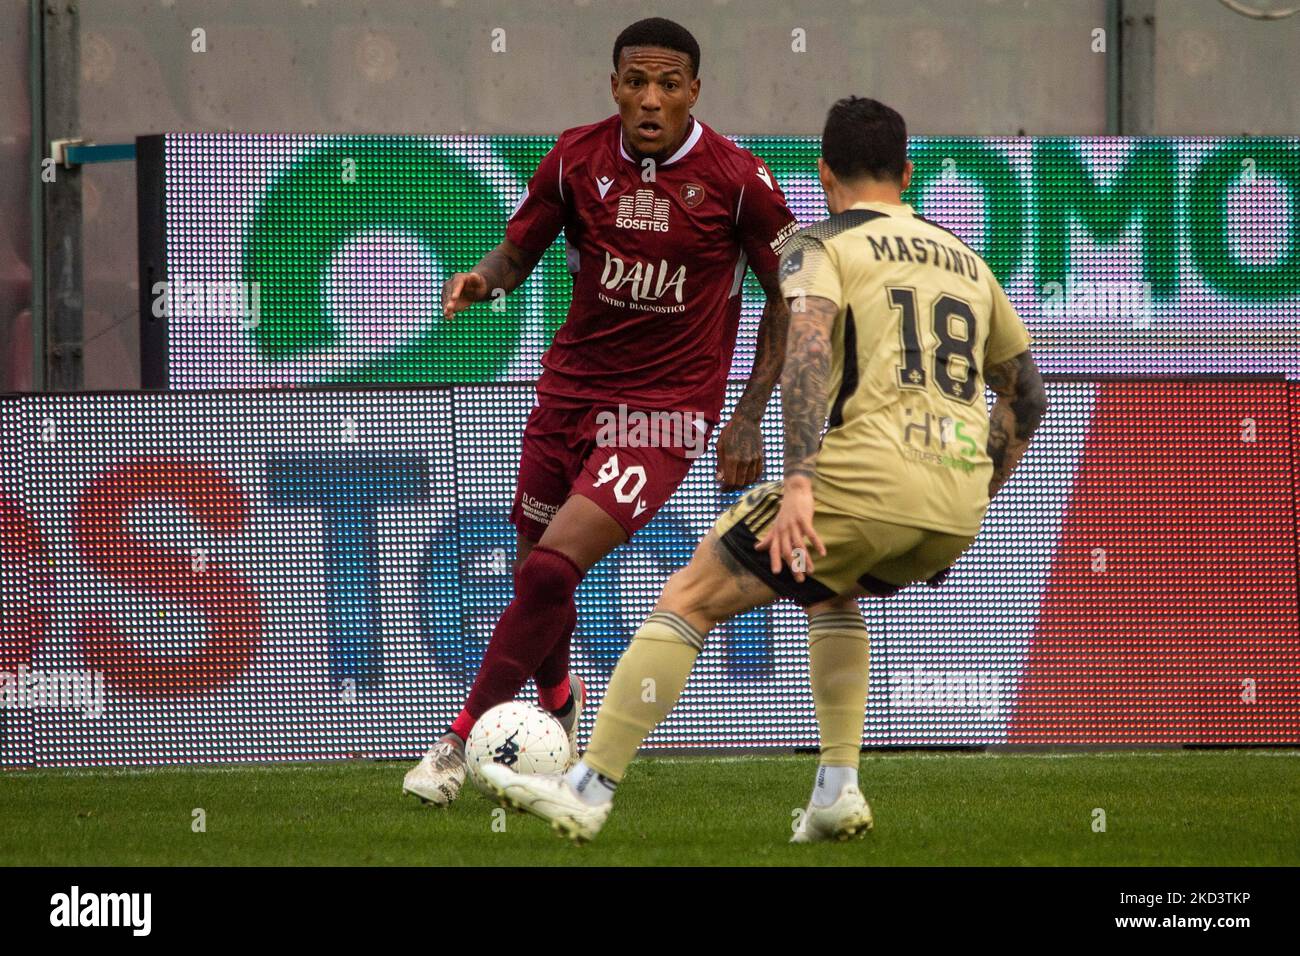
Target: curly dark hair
656 31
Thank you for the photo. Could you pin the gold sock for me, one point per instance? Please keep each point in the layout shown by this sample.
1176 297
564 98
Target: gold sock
839 654
645 687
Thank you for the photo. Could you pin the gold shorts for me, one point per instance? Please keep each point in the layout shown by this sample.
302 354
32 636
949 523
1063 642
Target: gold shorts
863 555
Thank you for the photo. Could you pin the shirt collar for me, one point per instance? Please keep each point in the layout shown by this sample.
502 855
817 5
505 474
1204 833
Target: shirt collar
885 207
693 137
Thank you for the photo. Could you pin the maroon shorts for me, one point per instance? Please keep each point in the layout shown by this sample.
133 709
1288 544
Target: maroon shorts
628 462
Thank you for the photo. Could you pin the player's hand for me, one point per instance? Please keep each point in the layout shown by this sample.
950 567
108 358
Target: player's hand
462 290
740 453
792 531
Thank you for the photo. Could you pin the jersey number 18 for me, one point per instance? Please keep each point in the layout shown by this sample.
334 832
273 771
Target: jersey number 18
953 360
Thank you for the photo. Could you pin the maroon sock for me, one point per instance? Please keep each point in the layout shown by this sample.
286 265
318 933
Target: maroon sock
552 676
541 614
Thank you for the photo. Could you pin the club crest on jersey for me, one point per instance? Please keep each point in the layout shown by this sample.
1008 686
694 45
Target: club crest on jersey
692 194
642 210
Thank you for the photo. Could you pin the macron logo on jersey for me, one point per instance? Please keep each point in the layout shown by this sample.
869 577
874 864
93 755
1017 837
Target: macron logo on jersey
764 175
642 211
603 183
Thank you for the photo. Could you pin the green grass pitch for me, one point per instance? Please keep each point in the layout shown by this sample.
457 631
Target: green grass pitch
1208 808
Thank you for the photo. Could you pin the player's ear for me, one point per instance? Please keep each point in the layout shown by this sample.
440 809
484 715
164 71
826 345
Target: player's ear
824 174
695 90
613 86
907 175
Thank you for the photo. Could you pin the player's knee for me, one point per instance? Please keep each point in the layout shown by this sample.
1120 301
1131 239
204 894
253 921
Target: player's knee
691 594
677 593
835 605
681 594
523 548
547 577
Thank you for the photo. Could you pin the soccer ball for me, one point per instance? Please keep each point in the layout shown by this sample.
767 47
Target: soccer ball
522 737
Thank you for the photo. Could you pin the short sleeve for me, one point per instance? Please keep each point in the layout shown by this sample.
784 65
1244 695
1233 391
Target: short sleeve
1008 336
539 215
808 268
763 220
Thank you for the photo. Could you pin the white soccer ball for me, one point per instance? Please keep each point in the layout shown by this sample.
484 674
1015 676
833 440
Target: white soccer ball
519 736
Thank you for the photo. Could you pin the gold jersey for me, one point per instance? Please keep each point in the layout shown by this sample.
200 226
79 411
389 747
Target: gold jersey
920 318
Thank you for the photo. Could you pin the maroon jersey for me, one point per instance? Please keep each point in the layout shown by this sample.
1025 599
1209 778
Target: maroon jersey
657 266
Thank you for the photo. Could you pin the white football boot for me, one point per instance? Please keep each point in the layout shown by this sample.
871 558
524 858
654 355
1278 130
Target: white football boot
439 775
849 815
549 797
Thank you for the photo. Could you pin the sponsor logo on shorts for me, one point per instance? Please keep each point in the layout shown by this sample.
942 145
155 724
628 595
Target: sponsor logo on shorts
535 510
633 428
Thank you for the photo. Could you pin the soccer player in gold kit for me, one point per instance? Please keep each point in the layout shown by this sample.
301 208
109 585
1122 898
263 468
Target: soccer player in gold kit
896 327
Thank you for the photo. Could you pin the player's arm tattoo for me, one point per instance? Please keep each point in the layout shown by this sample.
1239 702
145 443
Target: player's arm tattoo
1016 414
769 352
506 266
805 382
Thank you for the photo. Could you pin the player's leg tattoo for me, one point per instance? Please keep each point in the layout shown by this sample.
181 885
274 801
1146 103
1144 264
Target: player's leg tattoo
652 672
712 588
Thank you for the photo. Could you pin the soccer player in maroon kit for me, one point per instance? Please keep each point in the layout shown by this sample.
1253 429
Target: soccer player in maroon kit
661 217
